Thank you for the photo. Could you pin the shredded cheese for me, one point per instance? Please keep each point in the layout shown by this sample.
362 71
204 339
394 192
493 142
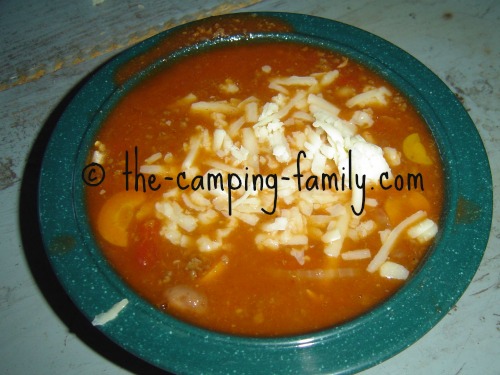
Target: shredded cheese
356 254
389 243
391 270
377 96
423 231
112 313
252 134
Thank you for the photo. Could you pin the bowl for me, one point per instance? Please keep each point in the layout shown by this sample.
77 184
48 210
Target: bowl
353 346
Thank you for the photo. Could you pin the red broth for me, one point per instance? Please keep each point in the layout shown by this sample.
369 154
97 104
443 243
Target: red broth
304 264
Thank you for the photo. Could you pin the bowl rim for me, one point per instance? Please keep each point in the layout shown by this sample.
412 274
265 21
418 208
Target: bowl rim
358 344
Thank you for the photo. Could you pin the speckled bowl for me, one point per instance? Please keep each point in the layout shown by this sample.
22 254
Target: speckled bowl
182 348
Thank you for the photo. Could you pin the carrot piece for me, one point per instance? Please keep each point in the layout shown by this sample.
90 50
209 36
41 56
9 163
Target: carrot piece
414 150
418 201
399 207
116 215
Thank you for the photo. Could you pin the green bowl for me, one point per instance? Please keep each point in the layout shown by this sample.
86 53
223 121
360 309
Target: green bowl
372 338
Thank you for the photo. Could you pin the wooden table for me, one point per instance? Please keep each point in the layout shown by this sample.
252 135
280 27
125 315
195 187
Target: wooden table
47 48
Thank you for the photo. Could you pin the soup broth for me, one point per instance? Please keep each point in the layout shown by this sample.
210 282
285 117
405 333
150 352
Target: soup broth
265 189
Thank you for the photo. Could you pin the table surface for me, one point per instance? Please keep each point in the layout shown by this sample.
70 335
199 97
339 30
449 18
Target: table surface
47 48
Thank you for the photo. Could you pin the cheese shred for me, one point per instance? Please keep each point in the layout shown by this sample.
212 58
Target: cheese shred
112 313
